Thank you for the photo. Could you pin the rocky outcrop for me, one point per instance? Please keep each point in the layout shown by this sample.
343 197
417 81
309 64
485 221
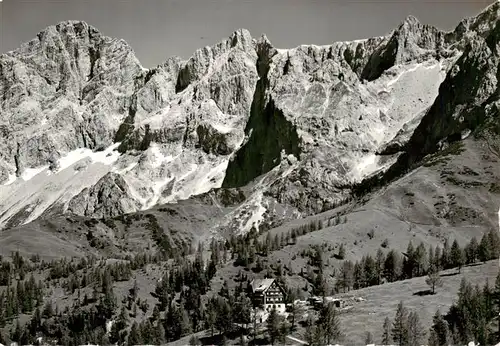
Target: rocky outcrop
109 197
268 130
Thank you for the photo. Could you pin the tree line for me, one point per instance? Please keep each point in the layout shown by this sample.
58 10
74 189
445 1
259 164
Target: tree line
415 262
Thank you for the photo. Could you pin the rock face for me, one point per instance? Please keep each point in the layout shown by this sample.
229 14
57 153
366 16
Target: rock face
85 128
468 98
69 88
110 196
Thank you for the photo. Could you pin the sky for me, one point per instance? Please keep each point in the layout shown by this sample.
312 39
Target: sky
158 29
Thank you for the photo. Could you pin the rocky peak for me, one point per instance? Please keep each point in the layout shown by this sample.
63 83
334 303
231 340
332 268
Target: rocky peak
206 59
242 39
412 41
485 20
56 94
410 22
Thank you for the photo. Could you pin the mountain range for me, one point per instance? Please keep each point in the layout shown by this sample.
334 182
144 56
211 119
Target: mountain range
243 134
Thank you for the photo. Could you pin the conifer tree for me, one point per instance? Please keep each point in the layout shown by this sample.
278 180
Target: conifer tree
456 256
379 265
409 261
494 241
496 299
445 255
400 325
484 249
118 331
329 323
434 280
471 251
274 326
437 258
392 266
416 332
420 259
347 276
341 251
439 334
431 259
368 338
386 331
134 337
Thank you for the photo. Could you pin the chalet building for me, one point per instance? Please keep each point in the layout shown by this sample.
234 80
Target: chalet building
268 294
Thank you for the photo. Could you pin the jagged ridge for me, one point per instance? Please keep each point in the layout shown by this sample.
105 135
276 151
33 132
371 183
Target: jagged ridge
177 126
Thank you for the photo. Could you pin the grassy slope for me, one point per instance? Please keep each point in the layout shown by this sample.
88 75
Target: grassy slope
66 236
453 196
381 301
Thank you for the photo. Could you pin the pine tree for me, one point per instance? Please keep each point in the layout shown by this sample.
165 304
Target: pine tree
311 335
386 331
347 276
341 252
329 323
370 269
439 330
496 299
456 256
431 261
445 255
159 335
494 241
437 258
392 266
223 320
118 331
273 326
484 249
416 332
48 310
368 338
400 325
294 312
16 332
379 265
433 339
409 262
420 258
242 309
211 315
134 338
471 251
359 276
434 280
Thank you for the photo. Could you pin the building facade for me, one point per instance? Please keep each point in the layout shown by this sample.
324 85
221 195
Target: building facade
268 294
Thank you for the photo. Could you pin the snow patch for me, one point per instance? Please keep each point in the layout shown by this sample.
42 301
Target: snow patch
257 215
415 67
12 178
30 173
109 324
366 165
222 128
106 157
